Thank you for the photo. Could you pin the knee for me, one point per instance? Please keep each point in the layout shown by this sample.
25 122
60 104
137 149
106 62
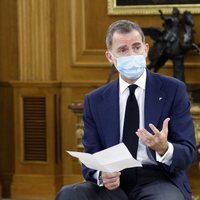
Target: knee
88 191
66 193
77 191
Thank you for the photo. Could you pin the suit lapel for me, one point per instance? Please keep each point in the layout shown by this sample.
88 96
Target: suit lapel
154 100
109 114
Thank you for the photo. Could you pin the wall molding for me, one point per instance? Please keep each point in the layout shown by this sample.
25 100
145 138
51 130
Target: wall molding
81 56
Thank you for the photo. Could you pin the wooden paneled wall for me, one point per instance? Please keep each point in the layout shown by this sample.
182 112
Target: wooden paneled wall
36 40
60 41
8 40
37 140
7 138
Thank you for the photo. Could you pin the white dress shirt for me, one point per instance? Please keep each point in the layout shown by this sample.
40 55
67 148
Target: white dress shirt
140 97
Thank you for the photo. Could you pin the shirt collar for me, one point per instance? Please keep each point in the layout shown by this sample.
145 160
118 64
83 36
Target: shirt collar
141 82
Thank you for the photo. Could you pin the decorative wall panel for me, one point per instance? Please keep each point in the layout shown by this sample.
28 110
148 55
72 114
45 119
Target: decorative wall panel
34 39
83 56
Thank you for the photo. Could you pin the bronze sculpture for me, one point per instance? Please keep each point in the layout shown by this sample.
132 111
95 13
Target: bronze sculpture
173 42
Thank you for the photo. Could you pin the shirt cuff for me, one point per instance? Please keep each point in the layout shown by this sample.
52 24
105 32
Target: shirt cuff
97 176
167 157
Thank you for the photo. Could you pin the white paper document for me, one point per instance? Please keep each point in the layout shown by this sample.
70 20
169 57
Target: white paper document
115 158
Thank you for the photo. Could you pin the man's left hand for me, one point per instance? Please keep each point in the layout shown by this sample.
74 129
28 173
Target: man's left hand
156 140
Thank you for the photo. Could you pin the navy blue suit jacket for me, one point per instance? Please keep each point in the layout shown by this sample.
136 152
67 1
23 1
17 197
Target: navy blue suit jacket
164 97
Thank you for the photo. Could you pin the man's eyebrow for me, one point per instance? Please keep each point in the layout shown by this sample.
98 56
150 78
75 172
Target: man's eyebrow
136 43
122 47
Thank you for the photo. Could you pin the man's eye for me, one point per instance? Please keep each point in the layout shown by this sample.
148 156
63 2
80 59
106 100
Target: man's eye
137 47
123 50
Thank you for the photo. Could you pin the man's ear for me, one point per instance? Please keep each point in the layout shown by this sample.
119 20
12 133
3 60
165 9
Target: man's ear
109 57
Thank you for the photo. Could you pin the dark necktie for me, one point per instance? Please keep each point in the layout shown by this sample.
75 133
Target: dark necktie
131 122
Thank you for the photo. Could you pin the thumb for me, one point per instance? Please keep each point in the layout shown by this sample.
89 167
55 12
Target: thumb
165 125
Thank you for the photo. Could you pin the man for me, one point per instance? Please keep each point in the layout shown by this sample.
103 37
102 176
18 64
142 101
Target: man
165 142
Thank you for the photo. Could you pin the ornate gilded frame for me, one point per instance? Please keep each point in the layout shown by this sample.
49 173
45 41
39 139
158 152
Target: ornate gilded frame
114 9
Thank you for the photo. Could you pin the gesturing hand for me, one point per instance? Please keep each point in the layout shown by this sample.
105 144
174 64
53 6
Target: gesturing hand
156 141
111 180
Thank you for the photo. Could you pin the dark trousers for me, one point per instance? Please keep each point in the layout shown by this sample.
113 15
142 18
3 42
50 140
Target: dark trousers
149 184
89 191
157 190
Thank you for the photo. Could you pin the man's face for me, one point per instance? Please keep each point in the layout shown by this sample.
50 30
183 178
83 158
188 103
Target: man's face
127 44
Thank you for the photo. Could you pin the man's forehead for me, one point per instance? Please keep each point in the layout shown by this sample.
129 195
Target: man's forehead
132 35
122 39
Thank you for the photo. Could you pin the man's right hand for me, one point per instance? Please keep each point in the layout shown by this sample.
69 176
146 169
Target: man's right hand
111 180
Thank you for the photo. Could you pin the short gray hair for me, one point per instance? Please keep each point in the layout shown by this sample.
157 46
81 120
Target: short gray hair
121 26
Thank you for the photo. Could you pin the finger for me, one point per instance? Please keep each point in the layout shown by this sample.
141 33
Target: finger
109 178
165 125
144 135
141 133
154 129
110 175
112 185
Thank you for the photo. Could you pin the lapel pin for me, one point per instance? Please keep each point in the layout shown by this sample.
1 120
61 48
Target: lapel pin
160 98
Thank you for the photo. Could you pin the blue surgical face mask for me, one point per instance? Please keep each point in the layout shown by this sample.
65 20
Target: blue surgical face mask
131 67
